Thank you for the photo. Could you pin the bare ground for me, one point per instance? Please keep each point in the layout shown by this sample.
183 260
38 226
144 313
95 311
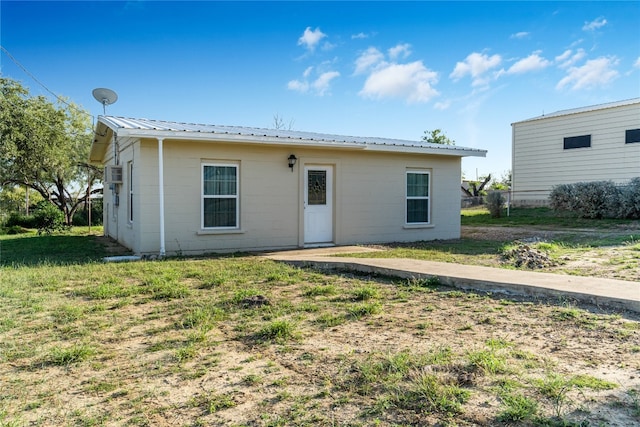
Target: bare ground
614 262
138 377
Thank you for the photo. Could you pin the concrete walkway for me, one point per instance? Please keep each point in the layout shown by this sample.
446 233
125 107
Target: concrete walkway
617 294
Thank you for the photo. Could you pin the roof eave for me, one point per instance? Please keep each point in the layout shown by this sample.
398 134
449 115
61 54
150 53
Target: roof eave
438 151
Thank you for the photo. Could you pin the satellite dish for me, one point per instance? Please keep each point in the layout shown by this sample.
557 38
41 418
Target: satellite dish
105 97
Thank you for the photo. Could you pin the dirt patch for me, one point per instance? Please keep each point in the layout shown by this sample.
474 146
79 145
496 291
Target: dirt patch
359 351
621 261
506 233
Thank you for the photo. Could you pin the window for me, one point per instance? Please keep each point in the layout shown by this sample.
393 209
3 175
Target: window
317 187
417 197
130 171
220 196
631 136
577 142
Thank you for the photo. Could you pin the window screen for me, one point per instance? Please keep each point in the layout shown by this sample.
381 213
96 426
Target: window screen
577 142
220 196
631 136
417 197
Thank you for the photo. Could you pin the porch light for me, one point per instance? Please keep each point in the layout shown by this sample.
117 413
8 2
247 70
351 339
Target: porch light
292 161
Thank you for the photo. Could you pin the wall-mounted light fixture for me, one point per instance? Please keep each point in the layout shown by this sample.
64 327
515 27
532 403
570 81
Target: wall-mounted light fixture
292 161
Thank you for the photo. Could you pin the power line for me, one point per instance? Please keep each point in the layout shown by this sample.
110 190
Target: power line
59 98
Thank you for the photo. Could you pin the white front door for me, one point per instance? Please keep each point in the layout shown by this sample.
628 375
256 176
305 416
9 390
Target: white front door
318 204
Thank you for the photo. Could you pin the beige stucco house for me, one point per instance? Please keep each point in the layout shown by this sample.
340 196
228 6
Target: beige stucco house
177 188
594 143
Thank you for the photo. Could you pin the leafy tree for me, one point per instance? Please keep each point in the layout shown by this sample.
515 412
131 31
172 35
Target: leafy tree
503 184
45 147
476 188
436 136
15 199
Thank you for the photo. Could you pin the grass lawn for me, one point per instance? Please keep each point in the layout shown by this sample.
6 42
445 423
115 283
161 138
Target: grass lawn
603 248
74 247
541 217
244 341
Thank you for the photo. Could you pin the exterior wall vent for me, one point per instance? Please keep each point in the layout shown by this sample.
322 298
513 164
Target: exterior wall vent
113 174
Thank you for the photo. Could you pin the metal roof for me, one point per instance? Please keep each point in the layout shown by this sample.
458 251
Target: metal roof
584 109
172 130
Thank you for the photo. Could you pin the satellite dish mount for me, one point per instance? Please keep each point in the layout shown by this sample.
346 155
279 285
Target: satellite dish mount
105 97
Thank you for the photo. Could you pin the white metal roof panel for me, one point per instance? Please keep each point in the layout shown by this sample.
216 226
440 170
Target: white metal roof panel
159 128
584 109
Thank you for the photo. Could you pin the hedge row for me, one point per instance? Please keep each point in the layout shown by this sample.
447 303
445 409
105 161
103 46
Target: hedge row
598 199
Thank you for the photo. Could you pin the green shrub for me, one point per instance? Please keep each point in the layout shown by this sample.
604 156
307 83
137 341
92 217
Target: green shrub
16 229
48 218
630 200
495 203
19 220
598 199
81 217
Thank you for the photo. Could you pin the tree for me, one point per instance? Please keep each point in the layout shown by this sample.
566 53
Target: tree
436 136
45 147
504 183
279 123
476 188
18 199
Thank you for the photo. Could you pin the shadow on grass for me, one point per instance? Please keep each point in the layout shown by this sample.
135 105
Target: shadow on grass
31 249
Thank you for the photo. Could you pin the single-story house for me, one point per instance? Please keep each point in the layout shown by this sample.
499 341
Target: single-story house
178 188
595 143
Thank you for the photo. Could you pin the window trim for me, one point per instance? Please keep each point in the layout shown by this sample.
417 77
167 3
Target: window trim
408 224
631 136
569 142
235 165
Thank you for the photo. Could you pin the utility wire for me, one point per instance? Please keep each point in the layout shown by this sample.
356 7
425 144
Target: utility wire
59 98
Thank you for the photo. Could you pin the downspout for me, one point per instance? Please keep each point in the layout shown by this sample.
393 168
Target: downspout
161 195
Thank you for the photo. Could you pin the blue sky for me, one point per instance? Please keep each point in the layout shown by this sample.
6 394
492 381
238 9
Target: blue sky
389 69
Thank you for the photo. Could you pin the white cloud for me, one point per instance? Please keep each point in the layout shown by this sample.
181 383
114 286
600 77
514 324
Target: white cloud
401 50
595 24
566 54
298 86
310 39
476 65
568 58
328 46
367 60
442 105
532 62
520 35
321 84
595 72
359 36
412 81
637 63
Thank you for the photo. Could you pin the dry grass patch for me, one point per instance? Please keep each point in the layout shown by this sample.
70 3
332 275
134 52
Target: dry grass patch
246 341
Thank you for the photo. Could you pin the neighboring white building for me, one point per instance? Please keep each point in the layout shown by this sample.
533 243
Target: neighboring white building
186 188
596 143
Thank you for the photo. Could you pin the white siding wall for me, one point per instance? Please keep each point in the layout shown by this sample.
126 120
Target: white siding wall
541 162
116 216
369 197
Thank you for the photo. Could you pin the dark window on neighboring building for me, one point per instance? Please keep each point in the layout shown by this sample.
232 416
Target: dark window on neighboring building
577 142
631 136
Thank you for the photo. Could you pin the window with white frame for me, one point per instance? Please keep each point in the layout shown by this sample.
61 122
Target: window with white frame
418 201
220 196
130 187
